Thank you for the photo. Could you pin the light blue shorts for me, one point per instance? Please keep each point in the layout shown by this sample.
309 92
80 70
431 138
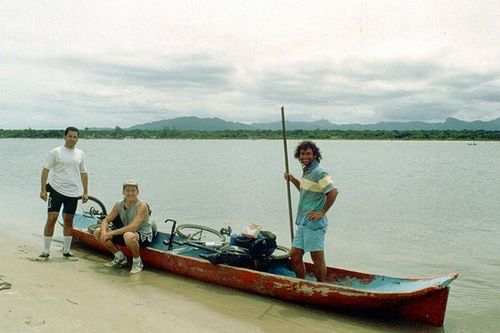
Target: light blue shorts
308 239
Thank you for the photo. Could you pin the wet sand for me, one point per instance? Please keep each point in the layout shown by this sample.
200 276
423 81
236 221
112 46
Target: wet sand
84 296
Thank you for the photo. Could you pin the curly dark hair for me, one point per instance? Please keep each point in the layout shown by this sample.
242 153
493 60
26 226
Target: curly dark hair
304 145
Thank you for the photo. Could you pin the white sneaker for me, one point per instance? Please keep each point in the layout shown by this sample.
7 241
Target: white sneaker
117 262
136 268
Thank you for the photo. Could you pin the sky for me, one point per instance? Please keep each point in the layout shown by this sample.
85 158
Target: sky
121 63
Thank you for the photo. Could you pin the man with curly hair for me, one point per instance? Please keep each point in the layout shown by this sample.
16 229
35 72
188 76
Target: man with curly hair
317 195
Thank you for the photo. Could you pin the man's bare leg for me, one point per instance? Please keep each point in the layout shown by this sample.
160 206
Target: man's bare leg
318 258
296 258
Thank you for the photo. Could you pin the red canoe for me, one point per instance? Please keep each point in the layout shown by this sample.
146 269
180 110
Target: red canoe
415 299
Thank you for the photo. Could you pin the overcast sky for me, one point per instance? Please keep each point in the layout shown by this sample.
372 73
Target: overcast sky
120 63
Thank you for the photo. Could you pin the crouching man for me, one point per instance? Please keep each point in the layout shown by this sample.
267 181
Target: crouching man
132 228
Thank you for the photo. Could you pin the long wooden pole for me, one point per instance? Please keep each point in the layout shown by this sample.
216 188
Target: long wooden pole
287 171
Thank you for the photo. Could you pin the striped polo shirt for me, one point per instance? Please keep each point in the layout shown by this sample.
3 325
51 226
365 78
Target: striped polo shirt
314 186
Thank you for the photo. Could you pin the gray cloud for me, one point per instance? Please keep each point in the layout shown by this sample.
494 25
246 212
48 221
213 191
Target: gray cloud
106 64
489 93
416 109
395 70
464 79
110 93
394 91
205 76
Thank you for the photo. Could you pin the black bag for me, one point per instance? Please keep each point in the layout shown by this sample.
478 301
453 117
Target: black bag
231 255
261 247
264 245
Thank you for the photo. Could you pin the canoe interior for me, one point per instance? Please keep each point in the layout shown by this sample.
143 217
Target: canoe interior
335 276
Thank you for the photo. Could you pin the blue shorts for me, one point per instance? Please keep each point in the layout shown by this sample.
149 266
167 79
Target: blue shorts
308 239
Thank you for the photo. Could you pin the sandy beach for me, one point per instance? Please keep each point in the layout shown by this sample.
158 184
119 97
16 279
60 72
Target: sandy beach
84 296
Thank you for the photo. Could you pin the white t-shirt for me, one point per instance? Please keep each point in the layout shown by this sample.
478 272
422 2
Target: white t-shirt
66 166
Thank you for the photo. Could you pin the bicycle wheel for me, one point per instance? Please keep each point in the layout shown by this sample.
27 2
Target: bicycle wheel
195 232
280 253
92 208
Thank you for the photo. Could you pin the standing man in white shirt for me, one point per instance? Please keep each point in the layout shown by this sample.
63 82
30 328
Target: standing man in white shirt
66 173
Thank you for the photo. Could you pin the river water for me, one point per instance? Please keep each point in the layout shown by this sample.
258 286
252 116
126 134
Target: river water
404 208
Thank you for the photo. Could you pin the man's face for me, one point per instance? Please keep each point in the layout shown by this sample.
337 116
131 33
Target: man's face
306 157
130 192
71 139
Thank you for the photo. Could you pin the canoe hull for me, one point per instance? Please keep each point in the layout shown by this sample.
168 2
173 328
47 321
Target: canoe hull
427 305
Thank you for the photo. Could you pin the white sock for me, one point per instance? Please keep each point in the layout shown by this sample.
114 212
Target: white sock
67 243
119 255
47 240
136 260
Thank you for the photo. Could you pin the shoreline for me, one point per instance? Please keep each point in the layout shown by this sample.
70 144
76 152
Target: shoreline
84 296
484 135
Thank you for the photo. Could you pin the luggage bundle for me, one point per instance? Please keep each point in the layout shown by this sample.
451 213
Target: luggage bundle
260 247
249 250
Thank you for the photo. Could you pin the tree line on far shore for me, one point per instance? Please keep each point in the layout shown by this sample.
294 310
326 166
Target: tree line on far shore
119 133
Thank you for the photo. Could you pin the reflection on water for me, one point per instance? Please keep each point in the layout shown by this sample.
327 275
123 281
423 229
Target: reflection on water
404 208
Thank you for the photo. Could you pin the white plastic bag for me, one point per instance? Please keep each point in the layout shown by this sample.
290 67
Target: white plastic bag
251 230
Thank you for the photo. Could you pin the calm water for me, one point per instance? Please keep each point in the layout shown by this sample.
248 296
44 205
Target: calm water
404 208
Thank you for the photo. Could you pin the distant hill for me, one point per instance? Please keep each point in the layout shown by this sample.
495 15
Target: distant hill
293 125
217 124
193 123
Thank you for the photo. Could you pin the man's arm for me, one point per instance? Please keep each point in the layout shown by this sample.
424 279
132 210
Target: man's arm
289 177
85 183
105 223
110 217
43 183
142 212
330 199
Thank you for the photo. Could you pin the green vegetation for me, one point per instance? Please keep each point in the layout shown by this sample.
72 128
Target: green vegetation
119 133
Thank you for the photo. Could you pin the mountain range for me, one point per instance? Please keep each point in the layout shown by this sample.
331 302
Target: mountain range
217 124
